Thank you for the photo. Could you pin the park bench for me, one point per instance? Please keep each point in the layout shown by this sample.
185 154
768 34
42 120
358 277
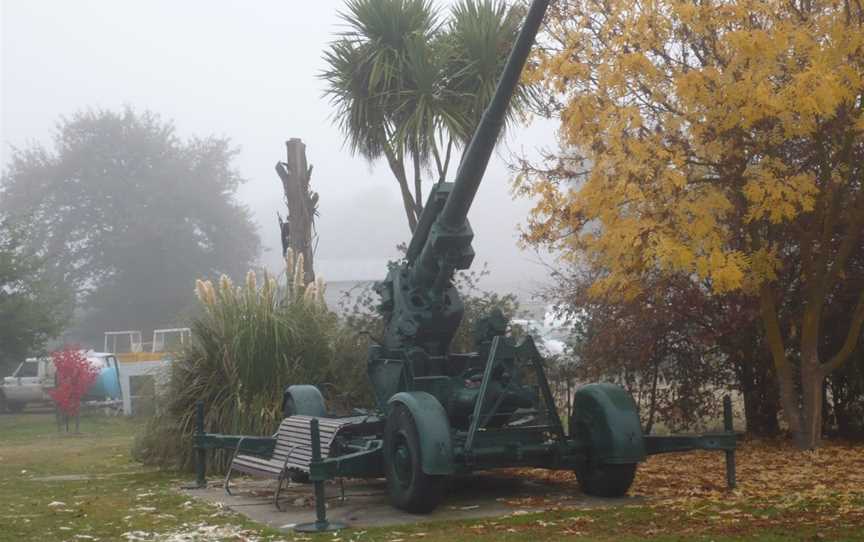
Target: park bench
292 452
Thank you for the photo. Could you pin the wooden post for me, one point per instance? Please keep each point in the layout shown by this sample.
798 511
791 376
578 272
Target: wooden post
297 230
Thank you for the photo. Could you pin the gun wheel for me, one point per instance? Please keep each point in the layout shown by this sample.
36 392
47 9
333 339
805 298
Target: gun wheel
410 488
607 480
304 400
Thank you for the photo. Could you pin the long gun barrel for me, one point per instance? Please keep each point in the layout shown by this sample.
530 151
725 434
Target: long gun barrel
421 307
428 265
483 141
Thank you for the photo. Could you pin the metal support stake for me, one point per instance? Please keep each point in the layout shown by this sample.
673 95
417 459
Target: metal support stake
481 397
200 452
320 524
730 454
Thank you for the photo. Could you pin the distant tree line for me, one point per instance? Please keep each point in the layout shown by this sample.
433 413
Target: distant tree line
123 215
34 305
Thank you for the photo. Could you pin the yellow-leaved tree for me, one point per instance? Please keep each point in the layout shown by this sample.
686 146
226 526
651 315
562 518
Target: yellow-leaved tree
718 140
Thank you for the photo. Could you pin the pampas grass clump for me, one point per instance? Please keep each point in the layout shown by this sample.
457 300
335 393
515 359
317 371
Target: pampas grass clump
248 343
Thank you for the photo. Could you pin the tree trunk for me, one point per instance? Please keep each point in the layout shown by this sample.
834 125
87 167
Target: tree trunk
397 166
298 229
782 367
812 380
789 400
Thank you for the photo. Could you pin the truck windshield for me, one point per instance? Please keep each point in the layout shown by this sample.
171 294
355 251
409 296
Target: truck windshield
28 369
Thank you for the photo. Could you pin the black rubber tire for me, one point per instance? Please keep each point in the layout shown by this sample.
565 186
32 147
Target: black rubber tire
609 480
410 488
299 477
15 408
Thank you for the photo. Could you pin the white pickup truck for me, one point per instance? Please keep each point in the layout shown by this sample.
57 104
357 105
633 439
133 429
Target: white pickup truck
34 378
30 383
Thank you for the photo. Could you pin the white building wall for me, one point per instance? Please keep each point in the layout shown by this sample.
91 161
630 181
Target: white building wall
159 369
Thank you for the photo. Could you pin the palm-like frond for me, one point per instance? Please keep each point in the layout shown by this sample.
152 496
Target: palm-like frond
369 69
477 42
400 80
358 113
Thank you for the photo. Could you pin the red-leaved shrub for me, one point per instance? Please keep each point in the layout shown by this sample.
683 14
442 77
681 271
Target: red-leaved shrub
75 375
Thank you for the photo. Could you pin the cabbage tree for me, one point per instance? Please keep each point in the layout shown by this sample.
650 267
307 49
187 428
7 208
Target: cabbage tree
409 85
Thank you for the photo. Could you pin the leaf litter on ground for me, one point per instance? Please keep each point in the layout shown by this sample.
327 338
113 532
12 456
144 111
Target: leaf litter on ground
771 475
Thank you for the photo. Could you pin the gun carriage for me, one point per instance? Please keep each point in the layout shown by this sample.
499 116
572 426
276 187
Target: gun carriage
441 413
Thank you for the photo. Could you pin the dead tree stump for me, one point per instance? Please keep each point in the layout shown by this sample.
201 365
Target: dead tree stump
298 228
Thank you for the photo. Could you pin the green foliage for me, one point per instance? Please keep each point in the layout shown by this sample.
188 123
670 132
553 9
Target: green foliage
128 214
248 344
409 87
33 308
479 304
369 70
846 386
669 347
475 43
359 309
847 399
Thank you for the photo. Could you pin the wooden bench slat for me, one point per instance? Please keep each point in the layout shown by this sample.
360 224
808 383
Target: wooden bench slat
263 465
293 449
303 434
263 473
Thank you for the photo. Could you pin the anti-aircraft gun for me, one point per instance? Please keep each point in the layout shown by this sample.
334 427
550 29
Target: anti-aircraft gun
441 413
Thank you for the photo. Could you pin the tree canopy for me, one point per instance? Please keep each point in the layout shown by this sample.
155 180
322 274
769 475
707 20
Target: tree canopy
33 308
410 86
720 141
129 215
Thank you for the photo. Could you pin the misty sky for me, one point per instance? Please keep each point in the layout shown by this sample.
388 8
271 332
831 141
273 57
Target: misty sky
245 70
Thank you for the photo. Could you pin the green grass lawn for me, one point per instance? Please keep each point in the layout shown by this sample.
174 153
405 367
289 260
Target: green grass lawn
86 487
82 487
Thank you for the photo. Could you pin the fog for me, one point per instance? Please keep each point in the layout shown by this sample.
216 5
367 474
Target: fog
246 71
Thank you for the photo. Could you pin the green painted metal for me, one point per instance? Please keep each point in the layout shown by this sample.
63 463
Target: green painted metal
655 444
527 349
420 306
200 452
484 388
321 524
514 360
262 446
731 483
606 419
307 401
367 463
433 429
